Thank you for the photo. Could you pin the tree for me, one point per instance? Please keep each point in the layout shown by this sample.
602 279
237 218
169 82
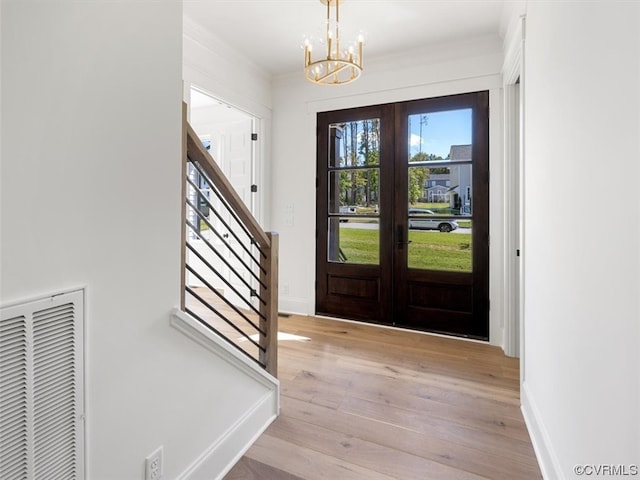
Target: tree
360 147
370 151
417 177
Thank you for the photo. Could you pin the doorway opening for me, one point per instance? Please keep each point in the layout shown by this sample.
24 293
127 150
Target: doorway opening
230 135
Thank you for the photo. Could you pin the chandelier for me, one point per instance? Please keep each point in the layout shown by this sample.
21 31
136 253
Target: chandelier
341 65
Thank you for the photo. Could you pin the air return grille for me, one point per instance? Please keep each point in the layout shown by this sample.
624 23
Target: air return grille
13 403
41 402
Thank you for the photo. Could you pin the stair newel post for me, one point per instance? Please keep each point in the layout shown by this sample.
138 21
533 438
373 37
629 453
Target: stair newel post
269 309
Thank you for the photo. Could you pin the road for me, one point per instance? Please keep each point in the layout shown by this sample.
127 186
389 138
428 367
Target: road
374 226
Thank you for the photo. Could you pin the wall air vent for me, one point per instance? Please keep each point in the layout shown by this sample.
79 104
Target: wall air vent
41 389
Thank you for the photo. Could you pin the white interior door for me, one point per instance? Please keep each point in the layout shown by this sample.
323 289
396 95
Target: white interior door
237 157
237 154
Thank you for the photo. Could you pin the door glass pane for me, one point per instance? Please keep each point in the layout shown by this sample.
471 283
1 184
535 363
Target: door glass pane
440 196
354 192
441 190
354 144
436 250
438 136
354 240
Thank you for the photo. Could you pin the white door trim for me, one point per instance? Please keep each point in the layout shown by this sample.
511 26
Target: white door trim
513 79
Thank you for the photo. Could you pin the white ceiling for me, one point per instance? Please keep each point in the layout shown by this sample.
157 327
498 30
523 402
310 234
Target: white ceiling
271 32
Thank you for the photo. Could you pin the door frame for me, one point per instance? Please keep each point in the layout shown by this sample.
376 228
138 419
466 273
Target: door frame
355 297
259 199
514 174
227 116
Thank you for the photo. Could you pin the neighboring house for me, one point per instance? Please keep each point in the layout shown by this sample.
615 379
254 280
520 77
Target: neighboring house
437 188
454 187
438 179
461 187
437 194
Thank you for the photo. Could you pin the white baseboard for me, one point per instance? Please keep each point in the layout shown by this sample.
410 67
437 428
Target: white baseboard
220 457
547 459
294 305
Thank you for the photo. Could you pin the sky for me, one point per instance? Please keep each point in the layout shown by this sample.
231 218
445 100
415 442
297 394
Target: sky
440 131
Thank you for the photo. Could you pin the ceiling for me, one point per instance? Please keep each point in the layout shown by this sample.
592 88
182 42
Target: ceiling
271 33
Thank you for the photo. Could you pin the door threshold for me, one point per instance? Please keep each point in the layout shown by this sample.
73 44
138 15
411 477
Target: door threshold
402 329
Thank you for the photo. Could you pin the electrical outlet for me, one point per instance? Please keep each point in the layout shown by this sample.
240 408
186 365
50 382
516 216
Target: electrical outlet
288 220
153 465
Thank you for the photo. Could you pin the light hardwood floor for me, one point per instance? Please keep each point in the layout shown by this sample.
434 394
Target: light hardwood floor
365 402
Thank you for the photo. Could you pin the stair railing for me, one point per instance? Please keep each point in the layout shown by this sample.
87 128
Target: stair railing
229 263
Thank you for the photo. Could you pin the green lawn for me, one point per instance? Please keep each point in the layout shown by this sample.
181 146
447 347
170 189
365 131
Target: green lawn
428 250
360 245
429 205
440 251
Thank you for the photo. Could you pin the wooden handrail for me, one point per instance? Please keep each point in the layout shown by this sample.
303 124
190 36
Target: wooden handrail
197 152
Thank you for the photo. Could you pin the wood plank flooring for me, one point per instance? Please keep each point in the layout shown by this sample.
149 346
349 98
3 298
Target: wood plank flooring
365 402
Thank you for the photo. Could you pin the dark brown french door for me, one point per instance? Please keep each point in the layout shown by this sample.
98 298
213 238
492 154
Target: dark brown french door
403 214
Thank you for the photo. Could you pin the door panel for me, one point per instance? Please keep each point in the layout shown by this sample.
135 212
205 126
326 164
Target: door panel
355 177
417 256
443 273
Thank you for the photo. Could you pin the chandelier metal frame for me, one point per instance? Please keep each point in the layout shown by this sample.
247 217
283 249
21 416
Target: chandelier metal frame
340 66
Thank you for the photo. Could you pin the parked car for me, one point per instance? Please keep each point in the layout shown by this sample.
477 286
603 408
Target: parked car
427 223
346 209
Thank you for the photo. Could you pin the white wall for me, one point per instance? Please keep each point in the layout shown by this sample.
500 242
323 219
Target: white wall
439 70
90 196
582 264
